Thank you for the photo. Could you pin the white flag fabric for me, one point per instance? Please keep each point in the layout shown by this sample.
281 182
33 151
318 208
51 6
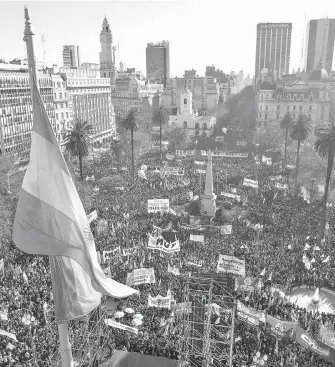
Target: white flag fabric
50 220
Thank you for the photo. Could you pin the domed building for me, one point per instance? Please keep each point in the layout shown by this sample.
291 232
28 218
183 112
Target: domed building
311 98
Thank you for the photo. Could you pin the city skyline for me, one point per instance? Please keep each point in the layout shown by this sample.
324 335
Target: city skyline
196 38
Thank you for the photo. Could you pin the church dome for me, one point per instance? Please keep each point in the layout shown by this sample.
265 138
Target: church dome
319 74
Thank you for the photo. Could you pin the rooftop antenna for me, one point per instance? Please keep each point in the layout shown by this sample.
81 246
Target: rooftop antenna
43 44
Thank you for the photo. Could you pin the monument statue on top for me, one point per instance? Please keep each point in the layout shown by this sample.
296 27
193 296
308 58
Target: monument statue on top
208 204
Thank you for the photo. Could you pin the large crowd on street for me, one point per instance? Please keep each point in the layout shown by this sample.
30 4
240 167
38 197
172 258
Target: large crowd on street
286 235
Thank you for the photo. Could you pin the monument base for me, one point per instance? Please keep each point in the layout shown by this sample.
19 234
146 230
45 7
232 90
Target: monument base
208 206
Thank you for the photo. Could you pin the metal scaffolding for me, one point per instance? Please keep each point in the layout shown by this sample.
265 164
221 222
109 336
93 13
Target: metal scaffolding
88 337
206 332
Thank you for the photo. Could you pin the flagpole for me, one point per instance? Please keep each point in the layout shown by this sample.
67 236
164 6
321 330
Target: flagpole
65 346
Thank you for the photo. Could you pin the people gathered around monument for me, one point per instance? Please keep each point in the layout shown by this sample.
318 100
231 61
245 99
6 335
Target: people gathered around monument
273 230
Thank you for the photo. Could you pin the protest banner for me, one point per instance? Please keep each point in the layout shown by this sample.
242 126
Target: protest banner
245 284
200 163
141 276
231 264
229 195
226 229
129 251
159 243
249 315
9 335
195 262
225 154
280 328
197 238
102 227
327 336
174 171
160 301
185 153
281 186
201 171
180 308
250 183
92 216
106 255
158 205
118 325
316 346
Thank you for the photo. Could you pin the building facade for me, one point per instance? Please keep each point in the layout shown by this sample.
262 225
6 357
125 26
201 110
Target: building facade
63 107
158 62
90 98
106 56
205 92
130 92
16 115
320 38
273 47
312 98
71 57
189 119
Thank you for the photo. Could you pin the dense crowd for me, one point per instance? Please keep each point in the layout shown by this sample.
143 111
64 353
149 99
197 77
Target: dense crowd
288 224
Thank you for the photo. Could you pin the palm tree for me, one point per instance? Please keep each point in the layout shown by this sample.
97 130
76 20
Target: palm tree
301 128
286 124
131 123
77 141
325 147
161 116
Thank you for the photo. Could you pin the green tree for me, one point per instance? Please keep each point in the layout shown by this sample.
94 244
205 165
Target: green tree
160 117
269 136
325 147
78 141
301 128
130 123
286 124
178 138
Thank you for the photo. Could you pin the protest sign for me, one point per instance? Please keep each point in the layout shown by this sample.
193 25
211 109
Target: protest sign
180 308
250 183
158 205
231 264
229 195
197 238
118 325
280 328
141 276
160 301
226 229
245 284
107 255
159 243
129 251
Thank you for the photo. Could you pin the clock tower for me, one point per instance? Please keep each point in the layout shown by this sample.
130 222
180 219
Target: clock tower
107 62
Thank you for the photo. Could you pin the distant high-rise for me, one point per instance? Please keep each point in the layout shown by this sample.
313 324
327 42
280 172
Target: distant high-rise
320 37
273 47
158 62
71 57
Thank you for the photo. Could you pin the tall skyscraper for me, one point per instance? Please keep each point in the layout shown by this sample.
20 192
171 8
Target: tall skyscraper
71 57
273 47
320 37
106 56
158 62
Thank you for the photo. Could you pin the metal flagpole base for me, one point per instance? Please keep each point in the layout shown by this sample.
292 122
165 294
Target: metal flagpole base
65 346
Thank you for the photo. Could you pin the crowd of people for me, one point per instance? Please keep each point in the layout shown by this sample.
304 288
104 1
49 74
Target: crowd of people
286 235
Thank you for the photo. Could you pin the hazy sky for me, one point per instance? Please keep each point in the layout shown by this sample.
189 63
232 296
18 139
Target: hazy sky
201 32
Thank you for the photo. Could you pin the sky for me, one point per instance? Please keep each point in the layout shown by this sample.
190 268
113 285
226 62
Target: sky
200 32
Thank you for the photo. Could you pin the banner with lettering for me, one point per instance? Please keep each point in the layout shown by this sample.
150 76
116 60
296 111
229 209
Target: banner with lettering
226 229
180 308
141 276
195 262
249 315
250 183
160 301
197 238
185 153
158 205
129 251
118 325
225 154
231 264
200 163
281 186
316 346
229 195
106 255
201 171
280 328
327 336
245 284
158 243
174 171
